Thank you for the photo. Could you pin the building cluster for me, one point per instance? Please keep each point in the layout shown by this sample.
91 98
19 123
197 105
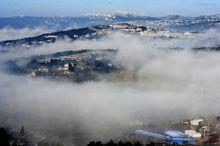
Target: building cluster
202 131
144 31
205 130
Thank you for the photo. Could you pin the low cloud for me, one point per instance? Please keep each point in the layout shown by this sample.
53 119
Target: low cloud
8 33
160 84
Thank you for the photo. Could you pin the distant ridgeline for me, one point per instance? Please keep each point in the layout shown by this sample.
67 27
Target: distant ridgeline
94 33
73 34
171 22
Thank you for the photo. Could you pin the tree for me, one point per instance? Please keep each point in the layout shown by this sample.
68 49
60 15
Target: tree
22 132
5 137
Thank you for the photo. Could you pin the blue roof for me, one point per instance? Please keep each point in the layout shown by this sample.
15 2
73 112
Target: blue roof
181 141
174 133
149 134
172 140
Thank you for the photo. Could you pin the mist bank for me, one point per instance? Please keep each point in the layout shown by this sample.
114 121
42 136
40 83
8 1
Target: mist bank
8 33
159 84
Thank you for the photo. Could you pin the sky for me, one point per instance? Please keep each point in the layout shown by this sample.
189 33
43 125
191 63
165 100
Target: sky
81 7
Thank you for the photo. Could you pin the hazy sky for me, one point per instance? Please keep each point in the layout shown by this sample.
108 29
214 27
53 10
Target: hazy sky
80 7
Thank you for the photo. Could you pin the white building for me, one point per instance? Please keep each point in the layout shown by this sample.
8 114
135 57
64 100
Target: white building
196 122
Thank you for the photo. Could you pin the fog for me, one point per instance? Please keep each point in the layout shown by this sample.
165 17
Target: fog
9 33
165 84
